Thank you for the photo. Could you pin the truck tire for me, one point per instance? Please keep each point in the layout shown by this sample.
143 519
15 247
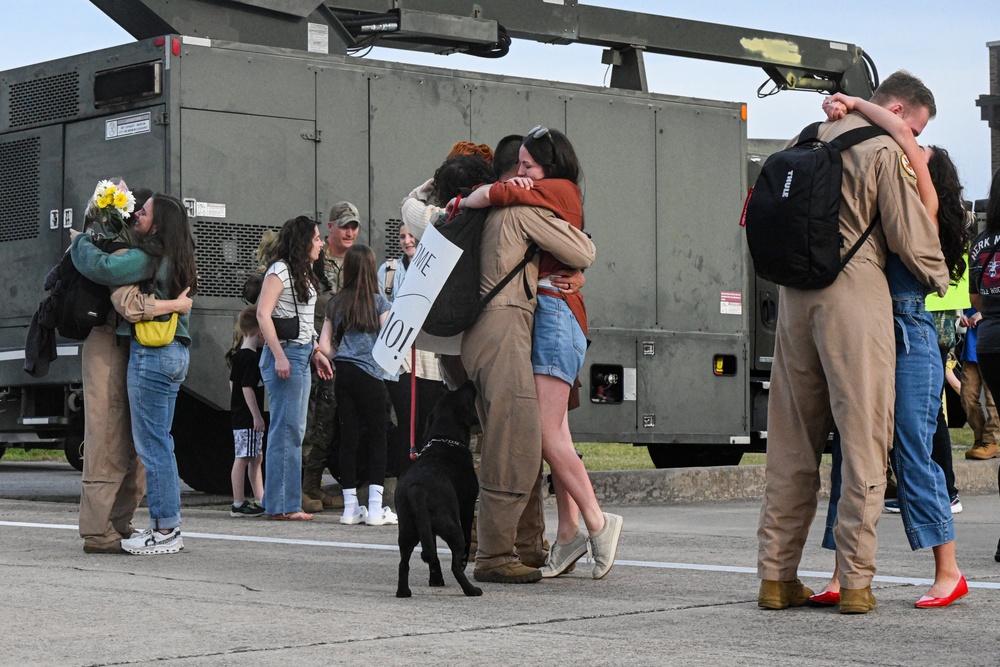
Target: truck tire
73 447
678 455
203 445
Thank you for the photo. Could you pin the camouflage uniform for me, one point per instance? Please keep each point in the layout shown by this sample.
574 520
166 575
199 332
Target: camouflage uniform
322 415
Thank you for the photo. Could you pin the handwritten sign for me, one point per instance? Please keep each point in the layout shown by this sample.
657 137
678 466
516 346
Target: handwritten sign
430 267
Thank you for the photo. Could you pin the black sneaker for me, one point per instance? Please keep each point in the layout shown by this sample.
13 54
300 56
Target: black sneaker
996 556
246 508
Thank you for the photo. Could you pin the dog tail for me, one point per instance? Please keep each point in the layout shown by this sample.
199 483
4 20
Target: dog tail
422 515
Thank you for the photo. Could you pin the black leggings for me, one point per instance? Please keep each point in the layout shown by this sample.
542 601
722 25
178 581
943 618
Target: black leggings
361 400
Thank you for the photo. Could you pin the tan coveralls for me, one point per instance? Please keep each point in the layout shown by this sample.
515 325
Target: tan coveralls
496 353
834 364
114 479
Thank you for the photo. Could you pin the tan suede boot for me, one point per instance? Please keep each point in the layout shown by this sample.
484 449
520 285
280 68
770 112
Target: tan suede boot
782 594
856 600
311 506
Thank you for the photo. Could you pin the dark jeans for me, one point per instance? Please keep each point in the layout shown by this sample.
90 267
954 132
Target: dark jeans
361 400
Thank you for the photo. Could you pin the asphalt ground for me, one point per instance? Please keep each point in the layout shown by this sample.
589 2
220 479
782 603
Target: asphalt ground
259 592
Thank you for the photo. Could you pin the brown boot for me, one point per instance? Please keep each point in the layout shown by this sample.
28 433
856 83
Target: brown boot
329 501
856 600
782 594
311 505
514 572
983 452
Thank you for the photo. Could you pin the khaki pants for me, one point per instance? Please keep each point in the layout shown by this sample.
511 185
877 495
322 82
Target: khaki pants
834 363
496 352
114 480
985 425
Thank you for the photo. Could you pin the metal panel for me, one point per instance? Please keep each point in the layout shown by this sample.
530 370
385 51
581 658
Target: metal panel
342 152
615 141
700 193
263 172
606 422
679 398
261 84
31 180
406 148
504 107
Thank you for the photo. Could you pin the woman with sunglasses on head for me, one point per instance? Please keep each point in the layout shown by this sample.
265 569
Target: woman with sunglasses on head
164 262
548 176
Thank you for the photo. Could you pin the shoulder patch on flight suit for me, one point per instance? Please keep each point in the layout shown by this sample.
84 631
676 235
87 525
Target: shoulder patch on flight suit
905 168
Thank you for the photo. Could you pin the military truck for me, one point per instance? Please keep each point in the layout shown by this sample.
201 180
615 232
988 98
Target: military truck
254 112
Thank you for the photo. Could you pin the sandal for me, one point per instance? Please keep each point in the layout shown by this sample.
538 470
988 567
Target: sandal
292 516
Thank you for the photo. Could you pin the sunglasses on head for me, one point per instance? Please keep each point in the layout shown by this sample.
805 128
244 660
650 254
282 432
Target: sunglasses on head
537 132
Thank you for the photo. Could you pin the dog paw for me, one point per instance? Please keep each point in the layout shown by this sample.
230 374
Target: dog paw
403 593
473 591
436 581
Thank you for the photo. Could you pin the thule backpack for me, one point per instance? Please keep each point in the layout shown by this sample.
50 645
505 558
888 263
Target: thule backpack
792 214
459 303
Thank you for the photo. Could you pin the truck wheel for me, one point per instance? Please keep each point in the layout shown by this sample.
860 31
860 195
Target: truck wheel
693 456
73 446
203 445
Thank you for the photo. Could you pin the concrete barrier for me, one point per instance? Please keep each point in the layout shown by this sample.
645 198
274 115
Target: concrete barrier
694 485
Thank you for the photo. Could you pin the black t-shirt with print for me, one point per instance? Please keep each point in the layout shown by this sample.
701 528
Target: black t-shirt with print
984 278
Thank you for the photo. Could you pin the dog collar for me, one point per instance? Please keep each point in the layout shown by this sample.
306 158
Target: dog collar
442 441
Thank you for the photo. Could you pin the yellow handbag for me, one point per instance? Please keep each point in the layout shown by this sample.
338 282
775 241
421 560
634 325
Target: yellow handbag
152 333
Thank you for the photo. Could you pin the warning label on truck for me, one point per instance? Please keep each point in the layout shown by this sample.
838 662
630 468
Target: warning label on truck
731 303
116 128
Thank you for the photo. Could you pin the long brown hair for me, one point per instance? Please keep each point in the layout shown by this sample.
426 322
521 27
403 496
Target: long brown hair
953 232
172 240
354 307
292 247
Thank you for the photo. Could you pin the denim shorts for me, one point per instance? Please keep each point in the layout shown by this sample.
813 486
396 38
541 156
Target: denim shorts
558 344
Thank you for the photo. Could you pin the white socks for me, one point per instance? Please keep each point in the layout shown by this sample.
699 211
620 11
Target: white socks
350 502
374 501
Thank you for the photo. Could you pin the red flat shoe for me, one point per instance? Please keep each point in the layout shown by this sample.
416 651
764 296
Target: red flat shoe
961 590
824 599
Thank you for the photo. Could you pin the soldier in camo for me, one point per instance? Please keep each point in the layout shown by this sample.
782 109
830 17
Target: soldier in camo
322 416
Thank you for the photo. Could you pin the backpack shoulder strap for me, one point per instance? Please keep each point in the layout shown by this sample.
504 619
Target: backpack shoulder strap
809 133
529 254
856 136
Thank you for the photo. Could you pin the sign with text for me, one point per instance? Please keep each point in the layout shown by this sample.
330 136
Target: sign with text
430 267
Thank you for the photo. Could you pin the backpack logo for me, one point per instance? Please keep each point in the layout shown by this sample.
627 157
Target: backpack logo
788 183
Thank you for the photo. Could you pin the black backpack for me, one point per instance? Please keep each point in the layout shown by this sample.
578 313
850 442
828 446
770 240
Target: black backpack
78 303
458 304
792 214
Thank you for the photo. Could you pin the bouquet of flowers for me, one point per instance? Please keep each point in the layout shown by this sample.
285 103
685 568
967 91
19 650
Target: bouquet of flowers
112 203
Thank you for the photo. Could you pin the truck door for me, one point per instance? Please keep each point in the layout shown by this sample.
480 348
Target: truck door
129 145
31 220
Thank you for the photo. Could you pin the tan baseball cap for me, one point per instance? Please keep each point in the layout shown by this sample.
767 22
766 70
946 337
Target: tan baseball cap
344 213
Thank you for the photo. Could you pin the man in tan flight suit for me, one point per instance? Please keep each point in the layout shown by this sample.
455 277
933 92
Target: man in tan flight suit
834 363
496 352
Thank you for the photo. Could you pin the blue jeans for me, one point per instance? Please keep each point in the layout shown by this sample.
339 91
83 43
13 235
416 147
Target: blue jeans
558 345
924 501
155 375
923 493
289 405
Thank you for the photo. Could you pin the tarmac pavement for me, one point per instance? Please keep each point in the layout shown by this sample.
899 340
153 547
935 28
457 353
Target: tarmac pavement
253 591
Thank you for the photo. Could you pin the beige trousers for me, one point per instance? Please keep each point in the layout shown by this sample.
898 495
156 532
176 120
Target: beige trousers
496 353
114 480
834 364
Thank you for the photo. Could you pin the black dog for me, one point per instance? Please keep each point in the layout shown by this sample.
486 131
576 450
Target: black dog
437 495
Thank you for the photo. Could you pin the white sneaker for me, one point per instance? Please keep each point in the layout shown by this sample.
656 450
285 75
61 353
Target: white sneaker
604 545
151 542
360 517
563 556
388 518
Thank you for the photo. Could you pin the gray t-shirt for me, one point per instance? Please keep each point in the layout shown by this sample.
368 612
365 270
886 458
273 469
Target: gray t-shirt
356 346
